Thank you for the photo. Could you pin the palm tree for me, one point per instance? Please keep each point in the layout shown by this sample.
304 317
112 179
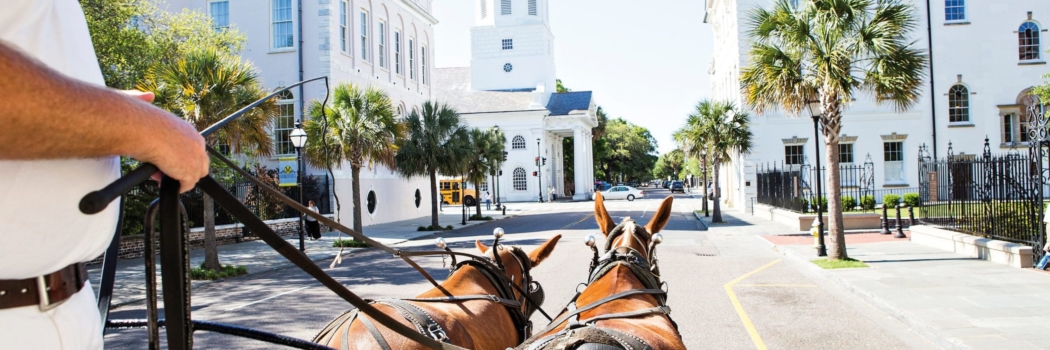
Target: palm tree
436 141
478 164
827 51
202 87
721 130
358 128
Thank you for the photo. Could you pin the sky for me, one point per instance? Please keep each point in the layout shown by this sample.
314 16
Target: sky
645 64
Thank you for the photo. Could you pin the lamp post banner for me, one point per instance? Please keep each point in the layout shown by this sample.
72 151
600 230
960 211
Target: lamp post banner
288 171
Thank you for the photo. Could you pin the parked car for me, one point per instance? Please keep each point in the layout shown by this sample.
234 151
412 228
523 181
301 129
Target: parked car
623 192
677 186
667 184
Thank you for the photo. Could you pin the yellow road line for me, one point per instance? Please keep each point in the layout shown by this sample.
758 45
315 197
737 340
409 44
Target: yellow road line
577 222
761 345
776 285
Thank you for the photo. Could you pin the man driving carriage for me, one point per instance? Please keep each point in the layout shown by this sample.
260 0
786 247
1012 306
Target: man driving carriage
69 131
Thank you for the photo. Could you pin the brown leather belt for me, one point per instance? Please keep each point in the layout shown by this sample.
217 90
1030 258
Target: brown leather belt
47 291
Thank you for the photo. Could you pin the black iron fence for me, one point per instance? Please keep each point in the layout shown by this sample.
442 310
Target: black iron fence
999 196
266 207
792 187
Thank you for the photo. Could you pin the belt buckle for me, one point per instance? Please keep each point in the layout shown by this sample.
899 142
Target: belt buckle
44 300
437 333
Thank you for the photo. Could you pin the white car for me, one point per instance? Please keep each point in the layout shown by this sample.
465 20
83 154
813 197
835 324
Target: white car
623 192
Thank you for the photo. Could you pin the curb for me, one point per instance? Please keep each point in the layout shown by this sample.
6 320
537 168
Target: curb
919 327
701 220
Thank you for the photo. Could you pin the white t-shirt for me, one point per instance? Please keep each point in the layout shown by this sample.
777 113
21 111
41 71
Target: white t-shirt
42 229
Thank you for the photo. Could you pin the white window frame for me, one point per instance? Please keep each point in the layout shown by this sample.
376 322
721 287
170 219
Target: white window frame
274 22
852 153
1038 43
411 58
533 8
959 104
285 102
364 37
520 177
344 27
212 16
423 64
397 53
961 4
382 44
791 158
894 171
507 44
517 142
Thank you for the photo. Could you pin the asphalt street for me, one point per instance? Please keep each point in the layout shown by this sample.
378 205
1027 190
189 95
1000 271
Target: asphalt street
728 288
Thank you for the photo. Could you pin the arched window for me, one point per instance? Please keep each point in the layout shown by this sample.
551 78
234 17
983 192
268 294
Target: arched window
518 142
954 10
284 123
1028 41
958 104
520 183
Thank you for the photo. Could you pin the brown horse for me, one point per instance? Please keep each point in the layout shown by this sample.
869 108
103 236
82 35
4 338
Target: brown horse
622 306
485 313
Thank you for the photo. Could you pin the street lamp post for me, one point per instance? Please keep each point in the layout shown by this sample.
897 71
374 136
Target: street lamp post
539 171
298 138
707 213
814 106
499 170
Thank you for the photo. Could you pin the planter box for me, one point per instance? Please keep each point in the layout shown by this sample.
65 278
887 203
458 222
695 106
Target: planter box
1000 252
803 222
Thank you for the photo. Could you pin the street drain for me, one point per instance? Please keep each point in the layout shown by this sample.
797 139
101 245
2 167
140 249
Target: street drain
705 254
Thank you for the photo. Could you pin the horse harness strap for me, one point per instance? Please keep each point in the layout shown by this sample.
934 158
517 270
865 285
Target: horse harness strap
489 297
419 318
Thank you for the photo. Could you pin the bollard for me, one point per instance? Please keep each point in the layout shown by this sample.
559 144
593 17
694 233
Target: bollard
911 216
900 225
504 210
885 220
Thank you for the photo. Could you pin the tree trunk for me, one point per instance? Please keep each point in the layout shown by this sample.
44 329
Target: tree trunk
835 225
434 199
477 196
356 184
211 252
717 216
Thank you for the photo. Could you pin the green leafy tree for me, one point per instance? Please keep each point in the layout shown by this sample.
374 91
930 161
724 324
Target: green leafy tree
827 51
722 130
629 152
203 86
358 128
131 37
436 141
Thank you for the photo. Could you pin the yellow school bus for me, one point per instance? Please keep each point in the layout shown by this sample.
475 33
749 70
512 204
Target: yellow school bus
451 192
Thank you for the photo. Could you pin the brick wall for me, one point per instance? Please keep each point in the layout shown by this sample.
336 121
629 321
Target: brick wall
133 246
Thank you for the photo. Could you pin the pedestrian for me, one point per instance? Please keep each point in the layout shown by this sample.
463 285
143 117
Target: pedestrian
312 226
488 201
70 131
550 194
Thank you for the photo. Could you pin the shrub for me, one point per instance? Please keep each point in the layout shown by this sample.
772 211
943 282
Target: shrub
201 273
349 243
822 201
805 205
423 228
849 203
912 199
867 202
447 228
476 217
891 200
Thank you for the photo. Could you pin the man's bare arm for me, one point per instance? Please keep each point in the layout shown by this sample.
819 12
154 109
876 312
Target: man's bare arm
48 115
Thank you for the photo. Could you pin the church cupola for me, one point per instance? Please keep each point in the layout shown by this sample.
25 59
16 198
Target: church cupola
512 48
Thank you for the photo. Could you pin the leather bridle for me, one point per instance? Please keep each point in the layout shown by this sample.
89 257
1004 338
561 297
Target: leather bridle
578 332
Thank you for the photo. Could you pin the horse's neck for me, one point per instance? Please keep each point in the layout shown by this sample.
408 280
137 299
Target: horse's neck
467 280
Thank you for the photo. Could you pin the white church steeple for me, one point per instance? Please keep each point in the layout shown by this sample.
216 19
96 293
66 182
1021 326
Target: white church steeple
512 47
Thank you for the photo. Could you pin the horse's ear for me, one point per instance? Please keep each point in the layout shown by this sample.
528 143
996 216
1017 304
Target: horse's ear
544 251
481 246
660 217
601 215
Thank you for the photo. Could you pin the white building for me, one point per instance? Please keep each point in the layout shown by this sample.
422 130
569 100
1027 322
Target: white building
986 55
510 84
384 43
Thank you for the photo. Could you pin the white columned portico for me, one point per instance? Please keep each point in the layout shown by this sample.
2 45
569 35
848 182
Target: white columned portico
579 141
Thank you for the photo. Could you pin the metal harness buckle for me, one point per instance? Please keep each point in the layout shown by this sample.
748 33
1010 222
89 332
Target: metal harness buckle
437 333
44 300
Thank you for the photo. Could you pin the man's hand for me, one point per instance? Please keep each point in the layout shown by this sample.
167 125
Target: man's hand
182 160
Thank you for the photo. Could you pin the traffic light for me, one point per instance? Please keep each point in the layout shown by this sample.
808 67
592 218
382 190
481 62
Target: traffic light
544 160
534 173
501 173
504 157
537 161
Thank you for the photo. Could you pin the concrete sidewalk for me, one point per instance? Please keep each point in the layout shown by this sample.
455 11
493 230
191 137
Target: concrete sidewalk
257 256
956 302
